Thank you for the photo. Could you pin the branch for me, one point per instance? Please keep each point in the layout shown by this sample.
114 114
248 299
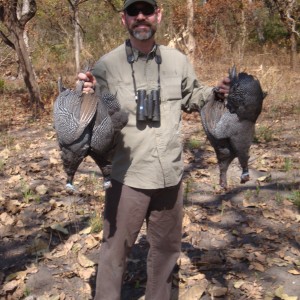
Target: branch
285 10
112 6
76 3
292 21
72 5
82 1
31 13
1 13
6 40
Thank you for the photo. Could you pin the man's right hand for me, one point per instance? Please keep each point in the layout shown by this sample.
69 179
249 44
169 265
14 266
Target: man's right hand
89 82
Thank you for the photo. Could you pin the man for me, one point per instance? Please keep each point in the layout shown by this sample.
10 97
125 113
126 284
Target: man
153 83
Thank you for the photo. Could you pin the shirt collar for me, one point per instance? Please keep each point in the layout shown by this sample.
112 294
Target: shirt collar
139 55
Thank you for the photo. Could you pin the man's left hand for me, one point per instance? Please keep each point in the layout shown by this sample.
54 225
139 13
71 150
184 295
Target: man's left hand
222 88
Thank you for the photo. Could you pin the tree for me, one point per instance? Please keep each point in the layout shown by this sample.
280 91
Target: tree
289 12
74 4
190 31
15 24
77 36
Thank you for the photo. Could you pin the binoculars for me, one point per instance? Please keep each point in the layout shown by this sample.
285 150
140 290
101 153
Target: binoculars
148 106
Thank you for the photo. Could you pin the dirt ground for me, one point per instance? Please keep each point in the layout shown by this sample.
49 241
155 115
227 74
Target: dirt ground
243 243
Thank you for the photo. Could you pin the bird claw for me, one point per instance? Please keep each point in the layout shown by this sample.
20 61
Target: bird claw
245 177
107 184
70 187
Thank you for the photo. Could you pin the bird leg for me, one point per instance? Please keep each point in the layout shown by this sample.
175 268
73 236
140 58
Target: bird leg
71 162
243 159
245 176
105 167
224 162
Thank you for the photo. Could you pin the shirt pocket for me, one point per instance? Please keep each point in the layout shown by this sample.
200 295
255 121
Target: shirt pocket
171 88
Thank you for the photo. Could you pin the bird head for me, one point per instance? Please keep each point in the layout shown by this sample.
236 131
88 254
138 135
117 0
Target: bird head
245 95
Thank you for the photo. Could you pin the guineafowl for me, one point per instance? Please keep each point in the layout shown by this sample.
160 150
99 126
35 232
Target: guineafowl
230 125
86 124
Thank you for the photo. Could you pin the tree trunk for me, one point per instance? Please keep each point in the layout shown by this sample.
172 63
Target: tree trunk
77 39
294 59
74 4
289 15
27 71
16 26
20 12
190 31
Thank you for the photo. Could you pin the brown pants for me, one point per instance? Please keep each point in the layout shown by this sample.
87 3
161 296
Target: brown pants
124 214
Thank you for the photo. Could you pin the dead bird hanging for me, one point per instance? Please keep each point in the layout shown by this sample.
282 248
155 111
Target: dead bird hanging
86 124
230 125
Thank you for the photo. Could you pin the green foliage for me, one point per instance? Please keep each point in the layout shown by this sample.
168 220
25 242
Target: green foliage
26 291
193 144
91 182
263 134
2 86
295 197
288 164
96 223
2 165
278 197
248 194
189 187
274 31
6 140
101 32
220 27
28 194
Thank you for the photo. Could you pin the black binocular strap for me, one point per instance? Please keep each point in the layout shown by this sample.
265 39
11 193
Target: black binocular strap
130 59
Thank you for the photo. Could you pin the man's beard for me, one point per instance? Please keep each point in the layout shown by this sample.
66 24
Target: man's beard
142 34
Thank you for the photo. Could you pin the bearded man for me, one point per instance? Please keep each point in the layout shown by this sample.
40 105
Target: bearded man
153 83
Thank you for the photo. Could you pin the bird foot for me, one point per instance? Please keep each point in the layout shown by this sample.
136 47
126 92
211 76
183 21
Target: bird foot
70 187
245 177
223 183
107 184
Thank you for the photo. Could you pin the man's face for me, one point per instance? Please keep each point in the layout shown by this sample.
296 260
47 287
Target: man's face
141 20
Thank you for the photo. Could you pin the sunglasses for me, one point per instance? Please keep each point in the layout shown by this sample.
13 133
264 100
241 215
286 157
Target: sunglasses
134 11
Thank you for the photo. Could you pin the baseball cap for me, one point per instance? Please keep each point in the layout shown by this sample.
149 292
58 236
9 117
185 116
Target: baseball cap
129 2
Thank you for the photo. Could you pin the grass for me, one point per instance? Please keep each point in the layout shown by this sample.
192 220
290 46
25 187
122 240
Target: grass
288 164
188 188
248 194
2 86
26 291
28 194
263 134
96 223
294 197
6 140
92 183
193 144
278 197
2 166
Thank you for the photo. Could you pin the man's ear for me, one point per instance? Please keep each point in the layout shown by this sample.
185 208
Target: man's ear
123 17
159 14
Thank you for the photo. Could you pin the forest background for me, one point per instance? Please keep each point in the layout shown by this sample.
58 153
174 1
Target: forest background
41 40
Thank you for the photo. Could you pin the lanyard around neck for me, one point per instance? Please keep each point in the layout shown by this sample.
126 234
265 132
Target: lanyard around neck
131 59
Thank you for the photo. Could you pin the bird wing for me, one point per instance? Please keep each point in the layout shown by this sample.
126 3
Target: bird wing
102 136
73 111
211 114
88 109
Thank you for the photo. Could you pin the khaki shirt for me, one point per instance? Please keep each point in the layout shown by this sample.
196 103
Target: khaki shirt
148 154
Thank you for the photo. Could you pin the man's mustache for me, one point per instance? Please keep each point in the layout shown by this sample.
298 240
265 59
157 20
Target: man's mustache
136 24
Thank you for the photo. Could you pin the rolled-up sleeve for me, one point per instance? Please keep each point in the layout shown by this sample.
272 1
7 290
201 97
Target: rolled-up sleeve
194 93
